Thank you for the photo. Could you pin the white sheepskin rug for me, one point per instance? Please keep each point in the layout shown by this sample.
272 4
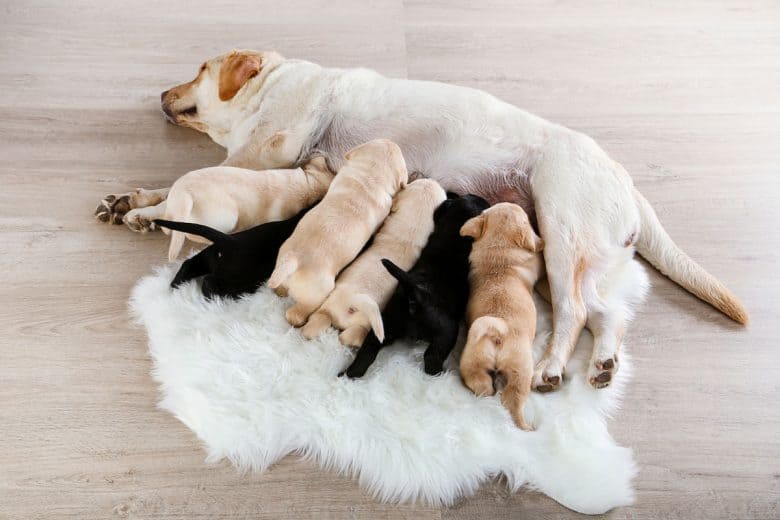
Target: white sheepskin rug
253 390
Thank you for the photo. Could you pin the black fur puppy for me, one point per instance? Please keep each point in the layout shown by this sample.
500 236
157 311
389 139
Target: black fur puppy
430 300
234 264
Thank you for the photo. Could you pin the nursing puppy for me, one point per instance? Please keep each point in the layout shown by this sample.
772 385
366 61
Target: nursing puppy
364 287
333 233
505 264
430 300
232 199
233 264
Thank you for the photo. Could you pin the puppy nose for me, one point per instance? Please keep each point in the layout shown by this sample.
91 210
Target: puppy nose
162 96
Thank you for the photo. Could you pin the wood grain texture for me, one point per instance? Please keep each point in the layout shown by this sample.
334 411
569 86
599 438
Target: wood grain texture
684 94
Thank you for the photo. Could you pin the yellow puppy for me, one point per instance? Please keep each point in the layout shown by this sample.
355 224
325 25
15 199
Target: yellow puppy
234 199
332 234
363 289
505 264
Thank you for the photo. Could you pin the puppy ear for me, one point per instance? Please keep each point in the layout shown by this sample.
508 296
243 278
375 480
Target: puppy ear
236 70
525 237
473 227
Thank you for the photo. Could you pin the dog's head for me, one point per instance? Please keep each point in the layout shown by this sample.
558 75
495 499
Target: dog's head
381 153
211 102
506 224
456 210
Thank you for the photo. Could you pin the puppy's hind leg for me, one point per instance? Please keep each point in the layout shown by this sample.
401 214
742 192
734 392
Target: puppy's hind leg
439 349
318 322
191 268
316 287
365 357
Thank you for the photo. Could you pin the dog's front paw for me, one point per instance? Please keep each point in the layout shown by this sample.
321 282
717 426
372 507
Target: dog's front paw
548 376
601 372
113 208
137 221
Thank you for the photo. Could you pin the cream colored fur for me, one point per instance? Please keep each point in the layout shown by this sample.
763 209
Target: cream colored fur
233 199
363 289
589 214
505 263
332 234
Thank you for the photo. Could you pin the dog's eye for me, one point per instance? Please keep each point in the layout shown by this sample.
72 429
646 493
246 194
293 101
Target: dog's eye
219 254
352 310
190 111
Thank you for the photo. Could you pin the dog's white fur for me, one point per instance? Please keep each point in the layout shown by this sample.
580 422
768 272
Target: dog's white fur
254 390
363 289
232 199
588 212
332 234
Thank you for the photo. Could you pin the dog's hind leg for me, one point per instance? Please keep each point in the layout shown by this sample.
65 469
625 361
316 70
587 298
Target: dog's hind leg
191 268
364 358
439 349
610 309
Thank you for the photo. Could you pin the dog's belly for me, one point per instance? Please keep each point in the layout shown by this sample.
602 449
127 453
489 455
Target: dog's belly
496 169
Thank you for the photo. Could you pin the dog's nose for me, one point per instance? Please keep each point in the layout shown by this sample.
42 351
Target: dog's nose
162 96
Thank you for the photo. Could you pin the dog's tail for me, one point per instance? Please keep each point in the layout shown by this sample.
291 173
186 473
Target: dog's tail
180 228
658 248
488 327
285 267
365 304
398 273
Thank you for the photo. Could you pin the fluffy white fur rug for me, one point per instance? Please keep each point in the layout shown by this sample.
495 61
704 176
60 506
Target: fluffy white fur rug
254 390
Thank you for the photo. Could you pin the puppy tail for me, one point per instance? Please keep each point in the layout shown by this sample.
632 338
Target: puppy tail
657 247
397 273
365 304
488 327
285 266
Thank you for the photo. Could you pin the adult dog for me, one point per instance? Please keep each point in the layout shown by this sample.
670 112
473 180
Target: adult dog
272 112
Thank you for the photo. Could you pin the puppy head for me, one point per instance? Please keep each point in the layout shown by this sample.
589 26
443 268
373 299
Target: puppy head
501 223
456 210
381 153
211 101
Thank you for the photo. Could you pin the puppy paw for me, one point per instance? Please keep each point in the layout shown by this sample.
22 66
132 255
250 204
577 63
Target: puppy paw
113 208
433 366
601 372
137 221
296 316
548 377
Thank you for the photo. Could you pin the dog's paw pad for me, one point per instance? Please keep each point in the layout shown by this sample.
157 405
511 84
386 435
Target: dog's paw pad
602 372
548 383
113 208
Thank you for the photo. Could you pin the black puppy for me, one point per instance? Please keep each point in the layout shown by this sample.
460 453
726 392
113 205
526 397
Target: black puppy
430 300
234 264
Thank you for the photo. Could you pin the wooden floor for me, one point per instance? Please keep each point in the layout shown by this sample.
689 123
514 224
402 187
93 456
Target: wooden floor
686 94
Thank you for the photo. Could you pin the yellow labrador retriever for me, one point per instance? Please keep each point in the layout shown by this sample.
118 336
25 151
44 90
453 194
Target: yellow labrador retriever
231 199
332 234
363 289
505 264
271 112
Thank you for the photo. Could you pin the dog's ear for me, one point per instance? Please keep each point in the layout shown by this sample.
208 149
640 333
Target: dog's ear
236 70
473 227
525 237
